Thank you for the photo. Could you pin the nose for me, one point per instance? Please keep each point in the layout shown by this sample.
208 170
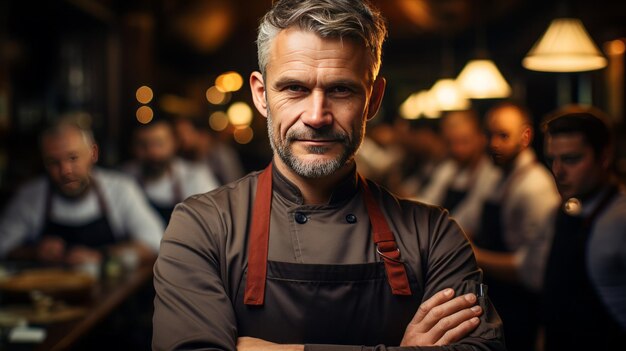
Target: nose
66 168
557 168
318 114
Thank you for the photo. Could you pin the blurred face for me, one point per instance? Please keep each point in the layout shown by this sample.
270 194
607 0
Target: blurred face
317 97
465 141
508 135
186 135
68 159
577 171
154 147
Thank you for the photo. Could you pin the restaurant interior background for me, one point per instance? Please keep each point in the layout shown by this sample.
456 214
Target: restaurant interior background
92 56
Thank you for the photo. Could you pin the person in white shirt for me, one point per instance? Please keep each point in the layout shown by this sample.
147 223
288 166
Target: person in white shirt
516 210
462 183
165 178
77 213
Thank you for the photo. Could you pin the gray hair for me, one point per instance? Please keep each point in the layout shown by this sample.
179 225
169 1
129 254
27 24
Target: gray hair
354 19
77 121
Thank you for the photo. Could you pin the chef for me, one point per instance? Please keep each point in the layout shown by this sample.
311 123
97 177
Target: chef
306 254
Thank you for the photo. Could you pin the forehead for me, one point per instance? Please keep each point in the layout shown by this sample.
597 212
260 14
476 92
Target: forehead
303 53
158 129
505 118
565 143
66 139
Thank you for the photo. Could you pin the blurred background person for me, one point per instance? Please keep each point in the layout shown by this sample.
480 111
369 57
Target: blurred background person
579 261
380 155
77 213
463 182
197 143
424 151
165 178
520 204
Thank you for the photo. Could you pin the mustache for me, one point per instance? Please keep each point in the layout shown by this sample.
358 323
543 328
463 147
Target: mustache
316 134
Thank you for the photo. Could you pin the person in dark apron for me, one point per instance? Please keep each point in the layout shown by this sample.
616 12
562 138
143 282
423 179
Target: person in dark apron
578 313
347 263
520 204
166 179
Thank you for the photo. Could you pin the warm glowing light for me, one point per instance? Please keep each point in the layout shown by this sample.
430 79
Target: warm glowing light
410 108
243 135
144 114
481 79
229 82
564 47
144 94
240 114
615 47
217 97
218 121
449 96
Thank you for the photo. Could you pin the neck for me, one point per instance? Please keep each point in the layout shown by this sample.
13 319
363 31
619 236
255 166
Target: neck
314 190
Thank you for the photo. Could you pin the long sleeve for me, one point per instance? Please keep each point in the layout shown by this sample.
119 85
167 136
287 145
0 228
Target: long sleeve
192 309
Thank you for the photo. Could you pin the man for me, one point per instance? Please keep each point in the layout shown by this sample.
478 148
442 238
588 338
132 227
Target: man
165 178
198 144
580 260
519 206
78 213
462 183
307 252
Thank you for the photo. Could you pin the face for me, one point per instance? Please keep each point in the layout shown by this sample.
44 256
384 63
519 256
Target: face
577 171
317 96
508 135
465 141
154 146
68 159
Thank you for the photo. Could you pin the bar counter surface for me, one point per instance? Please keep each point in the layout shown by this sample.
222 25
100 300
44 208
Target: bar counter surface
103 298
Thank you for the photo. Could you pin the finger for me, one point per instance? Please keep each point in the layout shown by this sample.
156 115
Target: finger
436 300
446 309
452 321
462 330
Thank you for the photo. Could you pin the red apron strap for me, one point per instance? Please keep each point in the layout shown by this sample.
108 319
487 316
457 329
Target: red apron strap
386 245
259 240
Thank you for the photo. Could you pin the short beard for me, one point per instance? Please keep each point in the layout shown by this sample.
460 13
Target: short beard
318 168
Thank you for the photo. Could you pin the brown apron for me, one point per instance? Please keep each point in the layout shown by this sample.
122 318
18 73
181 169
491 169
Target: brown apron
355 304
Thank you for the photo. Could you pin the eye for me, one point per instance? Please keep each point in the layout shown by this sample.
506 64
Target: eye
571 159
295 88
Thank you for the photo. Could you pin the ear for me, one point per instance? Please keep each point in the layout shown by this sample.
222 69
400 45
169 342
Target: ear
606 158
527 136
94 153
257 86
378 91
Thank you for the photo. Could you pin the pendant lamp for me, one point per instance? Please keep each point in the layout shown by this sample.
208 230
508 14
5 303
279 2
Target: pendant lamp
565 47
481 79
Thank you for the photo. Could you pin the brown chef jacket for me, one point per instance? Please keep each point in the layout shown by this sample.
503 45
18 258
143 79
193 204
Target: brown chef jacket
204 254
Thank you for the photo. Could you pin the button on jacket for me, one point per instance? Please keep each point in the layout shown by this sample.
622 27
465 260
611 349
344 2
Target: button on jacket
203 262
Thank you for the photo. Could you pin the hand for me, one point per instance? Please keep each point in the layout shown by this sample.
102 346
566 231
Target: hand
246 343
82 254
442 320
51 249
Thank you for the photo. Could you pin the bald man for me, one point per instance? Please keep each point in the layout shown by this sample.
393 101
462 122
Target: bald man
462 183
77 213
519 206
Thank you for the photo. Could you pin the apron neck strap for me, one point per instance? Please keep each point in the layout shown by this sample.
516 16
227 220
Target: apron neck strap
259 242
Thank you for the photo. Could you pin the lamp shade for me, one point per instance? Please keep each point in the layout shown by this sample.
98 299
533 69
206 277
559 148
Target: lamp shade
564 47
481 79
449 96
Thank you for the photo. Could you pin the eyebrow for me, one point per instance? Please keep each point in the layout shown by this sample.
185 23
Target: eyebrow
287 81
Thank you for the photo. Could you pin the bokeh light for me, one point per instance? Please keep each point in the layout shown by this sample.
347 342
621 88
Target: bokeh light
240 114
218 121
144 114
229 81
144 94
243 135
217 97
